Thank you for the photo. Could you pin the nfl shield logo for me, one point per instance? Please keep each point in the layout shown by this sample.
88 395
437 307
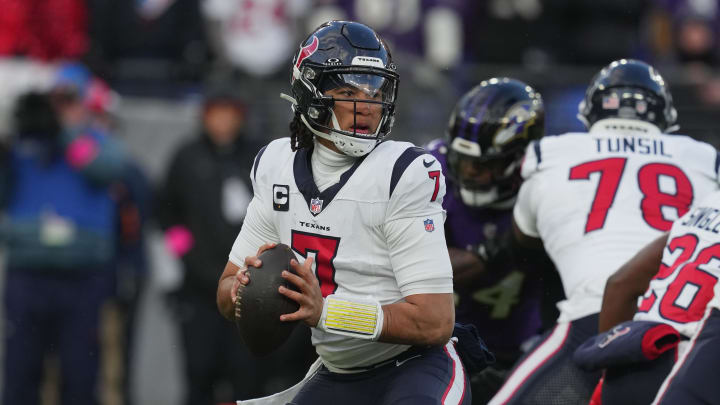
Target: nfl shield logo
429 225
316 205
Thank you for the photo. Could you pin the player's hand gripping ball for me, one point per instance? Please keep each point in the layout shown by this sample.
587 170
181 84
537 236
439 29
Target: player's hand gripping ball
259 304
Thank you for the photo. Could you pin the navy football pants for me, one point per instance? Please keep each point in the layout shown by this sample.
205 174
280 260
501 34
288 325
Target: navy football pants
694 379
636 383
547 374
434 376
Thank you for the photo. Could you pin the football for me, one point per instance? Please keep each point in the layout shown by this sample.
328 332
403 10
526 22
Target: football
259 304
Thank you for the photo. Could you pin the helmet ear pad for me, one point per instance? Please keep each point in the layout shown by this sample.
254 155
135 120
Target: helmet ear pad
312 105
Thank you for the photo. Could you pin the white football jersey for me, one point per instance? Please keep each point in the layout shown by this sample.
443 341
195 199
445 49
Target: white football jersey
377 233
595 199
686 283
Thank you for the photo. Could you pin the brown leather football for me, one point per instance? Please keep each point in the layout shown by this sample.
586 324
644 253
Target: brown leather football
259 304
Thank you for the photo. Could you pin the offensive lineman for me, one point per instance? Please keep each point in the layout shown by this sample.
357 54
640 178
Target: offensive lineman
593 200
367 218
682 269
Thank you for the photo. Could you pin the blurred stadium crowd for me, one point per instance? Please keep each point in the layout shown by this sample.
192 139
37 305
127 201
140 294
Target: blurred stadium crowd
153 74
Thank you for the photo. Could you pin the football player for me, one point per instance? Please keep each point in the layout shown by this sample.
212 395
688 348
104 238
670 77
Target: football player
365 219
593 200
481 156
669 290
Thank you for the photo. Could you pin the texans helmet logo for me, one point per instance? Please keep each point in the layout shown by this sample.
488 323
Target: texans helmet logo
307 50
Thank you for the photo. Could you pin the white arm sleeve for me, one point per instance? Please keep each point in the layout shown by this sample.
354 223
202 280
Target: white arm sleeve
415 231
419 258
257 227
525 210
256 230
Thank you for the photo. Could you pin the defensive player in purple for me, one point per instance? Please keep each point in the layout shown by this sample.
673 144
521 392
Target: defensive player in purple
481 156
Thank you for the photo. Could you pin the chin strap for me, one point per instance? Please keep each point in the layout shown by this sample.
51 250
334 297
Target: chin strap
293 101
342 139
289 98
315 131
584 120
671 129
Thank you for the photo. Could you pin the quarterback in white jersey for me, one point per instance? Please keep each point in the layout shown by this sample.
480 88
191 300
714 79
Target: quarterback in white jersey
593 200
375 284
370 236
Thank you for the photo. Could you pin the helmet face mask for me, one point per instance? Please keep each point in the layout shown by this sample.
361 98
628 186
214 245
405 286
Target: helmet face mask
629 89
371 93
483 182
345 70
487 135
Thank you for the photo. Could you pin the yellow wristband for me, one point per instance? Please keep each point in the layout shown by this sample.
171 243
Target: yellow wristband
359 318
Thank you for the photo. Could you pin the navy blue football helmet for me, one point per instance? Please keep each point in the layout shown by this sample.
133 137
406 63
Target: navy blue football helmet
488 132
630 89
342 54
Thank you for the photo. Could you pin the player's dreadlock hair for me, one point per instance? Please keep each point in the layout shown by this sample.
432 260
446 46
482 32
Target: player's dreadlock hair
300 135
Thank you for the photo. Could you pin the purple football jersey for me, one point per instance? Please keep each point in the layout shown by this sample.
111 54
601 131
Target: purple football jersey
505 304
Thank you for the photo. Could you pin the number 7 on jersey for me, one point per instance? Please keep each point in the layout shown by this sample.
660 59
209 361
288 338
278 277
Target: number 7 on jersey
435 175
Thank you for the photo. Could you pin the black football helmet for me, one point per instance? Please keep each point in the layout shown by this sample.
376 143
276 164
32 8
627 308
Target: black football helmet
488 132
344 54
631 89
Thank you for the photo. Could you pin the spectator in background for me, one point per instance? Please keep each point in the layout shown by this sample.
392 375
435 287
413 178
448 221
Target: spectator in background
43 29
201 207
59 230
103 104
133 195
684 32
695 34
253 36
683 36
17 77
251 41
146 45
696 41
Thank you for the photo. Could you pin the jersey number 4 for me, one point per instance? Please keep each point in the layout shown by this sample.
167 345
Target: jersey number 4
325 249
502 296
648 180
688 294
